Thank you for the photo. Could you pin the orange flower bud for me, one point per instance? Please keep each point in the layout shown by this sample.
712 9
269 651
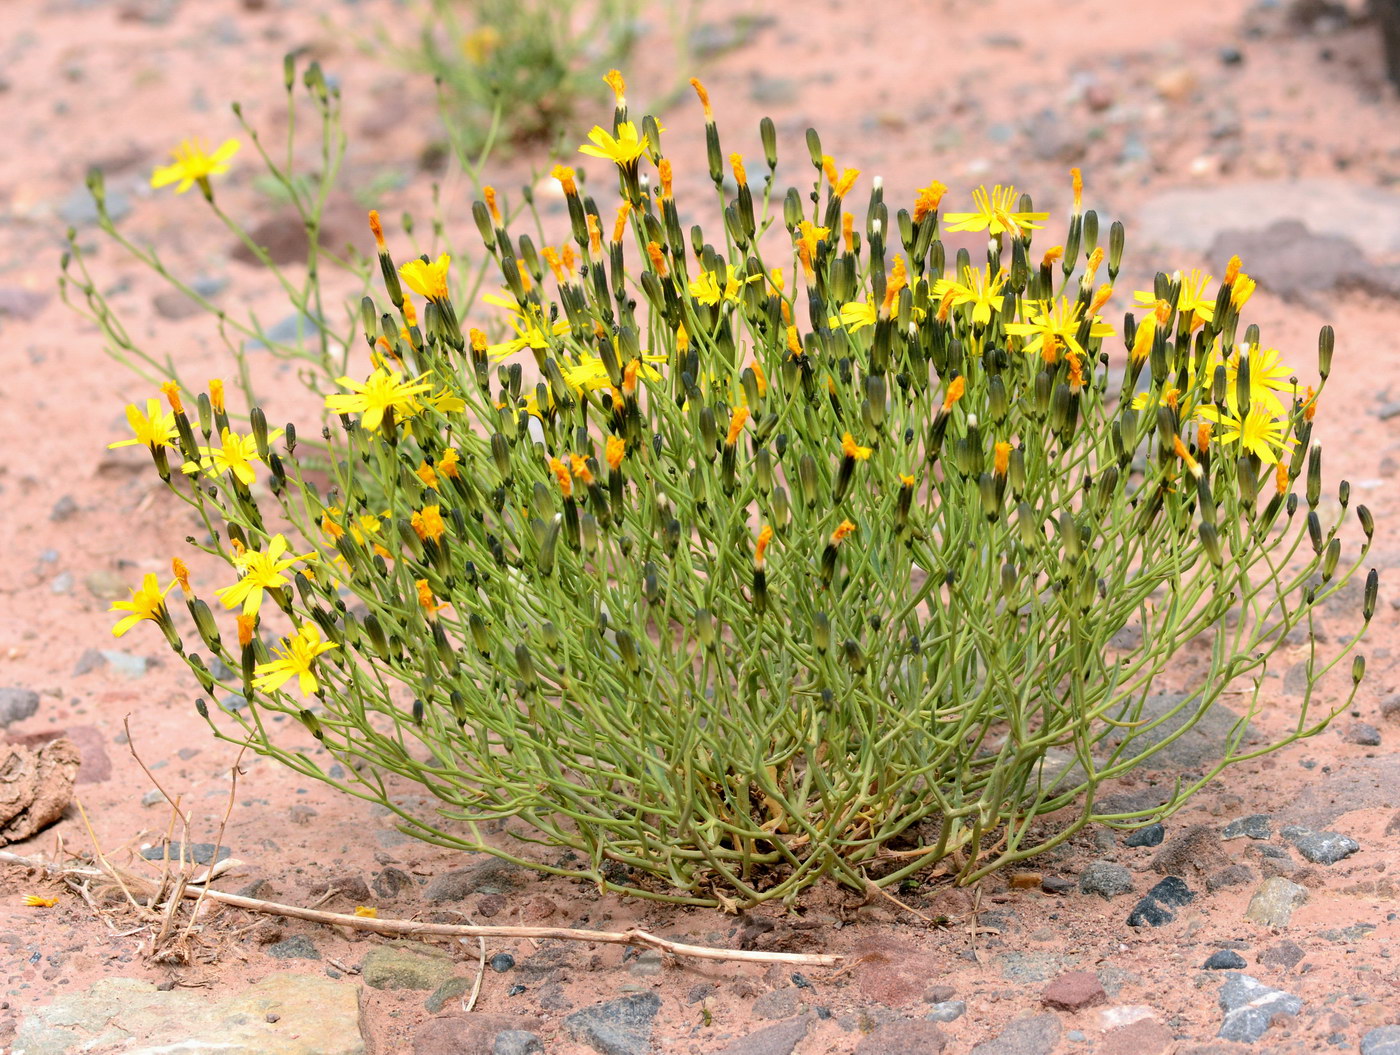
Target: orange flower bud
595 236
956 387
760 548
736 161
620 227
848 231
172 395
182 574
928 200
843 531
216 395
614 80
1077 184
613 450
851 449
489 193
846 182
1001 459
1052 256
565 175
736 425
246 625
657 257
663 170
377 229
561 473
1232 270
704 98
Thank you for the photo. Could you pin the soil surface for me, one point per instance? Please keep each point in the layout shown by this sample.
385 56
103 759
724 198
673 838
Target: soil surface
1210 128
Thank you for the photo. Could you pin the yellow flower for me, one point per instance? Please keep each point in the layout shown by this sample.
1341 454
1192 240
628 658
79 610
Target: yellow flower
1193 299
994 213
979 287
427 524
262 570
300 653
147 602
624 150
478 45
366 912
192 165
428 475
530 331
448 463
1053 327
851 449
1259 433
857 316
155 428
1268 376
35 901
614 449
235 454
928 200
380 392
427 279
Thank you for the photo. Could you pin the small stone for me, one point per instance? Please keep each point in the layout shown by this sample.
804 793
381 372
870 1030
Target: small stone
451 989
1230 55
617 1027
489 877
502 962
1152 835
1383 1040
936 994
20 303
1273 903
1364 734
1390 706
647 965
1250 1007
152 797
1224 960
778 1039
1196 851
1235 875
299 813
1322 848
1029 1035
516 1042
1255 826
1286 955
297 947
17 705
1106 879
352 887
1175 85
1074 990
63 509
401 967
775 1004
947 1011
389 883
107 585
490 905
199 853
1155 907
909 1037
1056 885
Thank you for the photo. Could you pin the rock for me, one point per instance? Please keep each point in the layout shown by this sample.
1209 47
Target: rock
293 329
173 305
352 887
17 704
775 1004
1224 960
1106 879
1198 748
1195 852
502 962
517 1042
297 947
916 1037
1028 1035
1143 1037
1152 835
1250 1007
1383 1040
489 877
1175 85
1321 848
1235 875
451 989
37 786
1053 137
309 1015
1273 903
947 1011
391 882
1155 907
893 973
1074 990
708 39
124 663
414 966
1292 261
63 509
1286 955
1194 217
1255 826
199 853
20 303
1358 784
79 210
773 91
617 1027
1056 885
1364 734
473 1034
779 1039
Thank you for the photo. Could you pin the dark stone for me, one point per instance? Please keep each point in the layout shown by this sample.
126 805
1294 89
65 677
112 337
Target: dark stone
1383 1040
1073 990
1286 955
353 887
1296 263
490 905
778 1039
1106 879
517 1042
937 994
775 1004
20 303
916 1037
1029 1035
297 947
1359 784
1056 885
488 877
1224 960
391 882
618 1027
947 1011
1235 875
452 989
1196 749
473 1034
1155 907
1255 826
63 509
1152 835
17 704
1250 1007
502 962
1323 848
699 992
199 853
1364 734
1230 55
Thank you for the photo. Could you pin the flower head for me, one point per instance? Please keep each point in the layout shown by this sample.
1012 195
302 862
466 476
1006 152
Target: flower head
192 165
36 901
1194 299
994 213
427 279
235 454
1258 433
851 449
1055 326
623 150
427 524
147 602
262 570
977 287
928 200
382 391
155 428
297 659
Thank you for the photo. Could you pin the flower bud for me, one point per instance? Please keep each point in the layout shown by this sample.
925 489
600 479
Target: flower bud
1330 558
1358 669
1210 539
1368 524
1314 486
704 627
1326 344
821 632
768 135
1368 601
1315 531
525 665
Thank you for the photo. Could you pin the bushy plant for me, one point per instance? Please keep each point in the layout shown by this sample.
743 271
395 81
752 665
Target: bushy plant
784 551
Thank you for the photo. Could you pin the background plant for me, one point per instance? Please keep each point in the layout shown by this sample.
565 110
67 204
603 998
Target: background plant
794 562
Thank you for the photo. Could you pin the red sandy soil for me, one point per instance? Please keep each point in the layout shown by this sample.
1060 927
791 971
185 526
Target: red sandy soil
1140 95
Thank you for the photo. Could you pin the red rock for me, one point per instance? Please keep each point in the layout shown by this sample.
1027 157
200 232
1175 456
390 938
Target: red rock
1073 990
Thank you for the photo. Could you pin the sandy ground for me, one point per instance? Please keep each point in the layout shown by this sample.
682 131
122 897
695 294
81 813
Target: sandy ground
1148 98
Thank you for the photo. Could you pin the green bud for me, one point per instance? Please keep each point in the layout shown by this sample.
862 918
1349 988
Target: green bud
1368 524
1326 344
1069 536
1358 669
1210 539
1368 601
704 627
807 479
821 632
768 135
1315 531
1314 488
525 665
1116 238
480 635
1028 526
1330 558
814 147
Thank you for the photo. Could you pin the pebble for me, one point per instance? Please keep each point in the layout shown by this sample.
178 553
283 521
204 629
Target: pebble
1286 955
297 947
21 303
1074 990
107 585
1364 734
79 210
909 1037
1028 1035
1322 848
451 989
1273 903
1250 1007
17 704
1152 835
1383 1040
778 1039
617 1027
1155 907
502 962
1056 885
1196 851
199 853
1255 826
947 1011
62 582
1224 960
1106 879
410 966
491 876
63 509
1230 55
517 1042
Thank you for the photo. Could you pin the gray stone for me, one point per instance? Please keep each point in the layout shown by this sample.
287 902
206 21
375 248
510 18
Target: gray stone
1250 1006
517 1042
1029 1035
413 966
713 38
617 1027
1358 784
1224 960
1196 851
1255 826
1199 747
1106 879
391 882
947 1011
1194 217
910 1037
199 853
451 989
1321 848
778 1039
297 947
1155 907
1273 903
1363 734
1152 835
291 330
63 509
1234 875
1292 261
1383 1040
775 1004
491 876
773 91
311 1015
1286 955
474 1034
17 704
